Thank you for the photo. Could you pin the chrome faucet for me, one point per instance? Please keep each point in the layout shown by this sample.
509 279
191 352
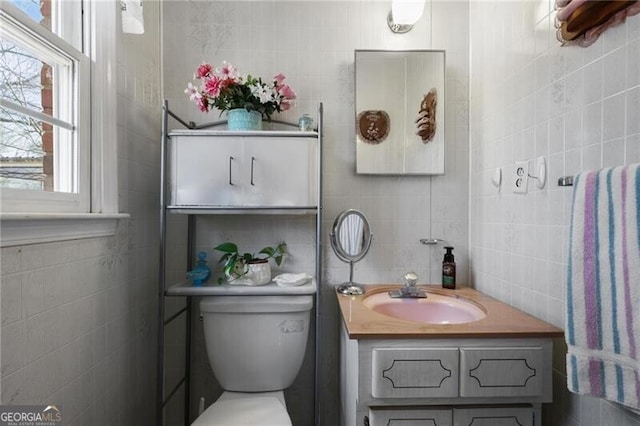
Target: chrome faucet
409 290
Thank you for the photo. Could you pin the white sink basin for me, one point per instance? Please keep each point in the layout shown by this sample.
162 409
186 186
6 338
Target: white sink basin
435 309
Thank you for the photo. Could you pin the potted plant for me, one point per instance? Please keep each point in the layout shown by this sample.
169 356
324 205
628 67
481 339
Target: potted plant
246 99
248 268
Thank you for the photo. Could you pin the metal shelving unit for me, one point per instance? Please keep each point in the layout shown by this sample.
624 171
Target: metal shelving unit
191 212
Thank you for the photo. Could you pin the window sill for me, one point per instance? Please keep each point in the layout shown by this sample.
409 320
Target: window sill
18 229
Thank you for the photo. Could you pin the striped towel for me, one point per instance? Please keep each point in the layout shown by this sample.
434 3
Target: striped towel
603 286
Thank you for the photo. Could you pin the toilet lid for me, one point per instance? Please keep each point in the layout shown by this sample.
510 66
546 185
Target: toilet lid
263 411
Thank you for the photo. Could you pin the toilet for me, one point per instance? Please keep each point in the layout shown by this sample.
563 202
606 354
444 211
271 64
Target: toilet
255 346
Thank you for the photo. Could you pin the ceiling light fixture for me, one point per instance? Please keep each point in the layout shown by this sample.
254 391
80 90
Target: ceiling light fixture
404 14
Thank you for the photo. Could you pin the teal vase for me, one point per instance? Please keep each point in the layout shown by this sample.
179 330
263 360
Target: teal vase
241 119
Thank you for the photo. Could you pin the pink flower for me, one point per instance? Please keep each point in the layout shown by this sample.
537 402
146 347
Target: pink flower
279 79
213 86
228 71
202 103
202 71
287 92
285 105
192 91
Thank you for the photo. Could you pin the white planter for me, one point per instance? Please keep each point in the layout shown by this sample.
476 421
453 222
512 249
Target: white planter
257 274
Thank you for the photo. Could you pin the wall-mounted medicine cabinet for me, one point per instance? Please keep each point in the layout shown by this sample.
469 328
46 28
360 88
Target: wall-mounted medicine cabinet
400 112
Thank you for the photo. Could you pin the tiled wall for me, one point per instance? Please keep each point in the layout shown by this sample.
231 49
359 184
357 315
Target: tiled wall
312 43
577 107
78 318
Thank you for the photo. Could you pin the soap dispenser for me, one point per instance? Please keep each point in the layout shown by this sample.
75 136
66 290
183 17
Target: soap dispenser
449 269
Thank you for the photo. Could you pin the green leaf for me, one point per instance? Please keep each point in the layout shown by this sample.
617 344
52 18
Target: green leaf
269 251
227 247
225 258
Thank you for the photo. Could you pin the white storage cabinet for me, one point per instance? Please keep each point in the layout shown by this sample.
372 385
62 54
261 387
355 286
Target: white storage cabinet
219 169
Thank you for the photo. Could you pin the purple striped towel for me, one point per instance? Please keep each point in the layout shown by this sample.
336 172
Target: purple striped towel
603 286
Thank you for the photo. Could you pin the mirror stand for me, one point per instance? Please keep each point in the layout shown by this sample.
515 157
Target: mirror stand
351 240
350 288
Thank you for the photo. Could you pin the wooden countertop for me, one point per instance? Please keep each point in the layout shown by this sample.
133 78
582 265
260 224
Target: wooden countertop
501 321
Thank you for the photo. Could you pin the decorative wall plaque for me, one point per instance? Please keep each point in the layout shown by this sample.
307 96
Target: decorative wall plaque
373 126
426 121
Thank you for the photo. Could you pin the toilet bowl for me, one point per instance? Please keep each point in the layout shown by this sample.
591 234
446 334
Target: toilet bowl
255 346
246 409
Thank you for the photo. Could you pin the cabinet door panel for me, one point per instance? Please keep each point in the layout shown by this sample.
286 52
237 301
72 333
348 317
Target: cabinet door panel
501 371
242 171
414 373
280 172
502 416
205 171
410 417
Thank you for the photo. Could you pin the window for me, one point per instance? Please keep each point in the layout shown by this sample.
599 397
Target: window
57 112
44 109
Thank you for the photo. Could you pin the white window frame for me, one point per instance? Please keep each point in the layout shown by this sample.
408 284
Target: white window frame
97 213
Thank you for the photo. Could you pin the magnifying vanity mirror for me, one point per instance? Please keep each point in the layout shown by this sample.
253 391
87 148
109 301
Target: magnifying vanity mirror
400 112
350 239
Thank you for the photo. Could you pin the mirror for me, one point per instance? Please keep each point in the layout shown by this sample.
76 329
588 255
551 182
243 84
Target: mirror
400 111
350 239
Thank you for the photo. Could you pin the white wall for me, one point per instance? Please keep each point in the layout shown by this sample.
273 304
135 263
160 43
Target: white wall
579 108
78 318
312 43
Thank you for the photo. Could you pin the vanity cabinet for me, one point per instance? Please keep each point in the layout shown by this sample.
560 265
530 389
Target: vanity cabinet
445 381
221 169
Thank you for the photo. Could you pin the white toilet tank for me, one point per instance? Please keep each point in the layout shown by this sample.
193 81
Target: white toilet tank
256 343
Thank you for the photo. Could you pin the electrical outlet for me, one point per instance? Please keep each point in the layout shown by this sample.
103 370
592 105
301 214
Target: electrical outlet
520 178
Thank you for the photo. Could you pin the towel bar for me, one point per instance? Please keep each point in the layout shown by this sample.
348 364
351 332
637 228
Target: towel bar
565 181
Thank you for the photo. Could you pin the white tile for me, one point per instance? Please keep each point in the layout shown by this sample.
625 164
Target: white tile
633 63
32 293
614 72
10 260
633 111
592 124
12 355
32 257
593 82
13 389
574 91
613 153
557 100
11 297
592 157
33 338
632 149
613 120
573 129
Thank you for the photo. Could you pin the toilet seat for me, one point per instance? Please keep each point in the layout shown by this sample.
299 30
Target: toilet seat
250 411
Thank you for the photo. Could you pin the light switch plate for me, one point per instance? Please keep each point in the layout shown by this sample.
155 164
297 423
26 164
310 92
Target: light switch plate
520 178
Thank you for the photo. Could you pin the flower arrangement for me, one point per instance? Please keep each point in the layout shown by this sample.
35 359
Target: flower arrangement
224 89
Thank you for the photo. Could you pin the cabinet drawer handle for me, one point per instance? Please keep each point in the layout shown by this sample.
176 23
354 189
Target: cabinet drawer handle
253 159
230 176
